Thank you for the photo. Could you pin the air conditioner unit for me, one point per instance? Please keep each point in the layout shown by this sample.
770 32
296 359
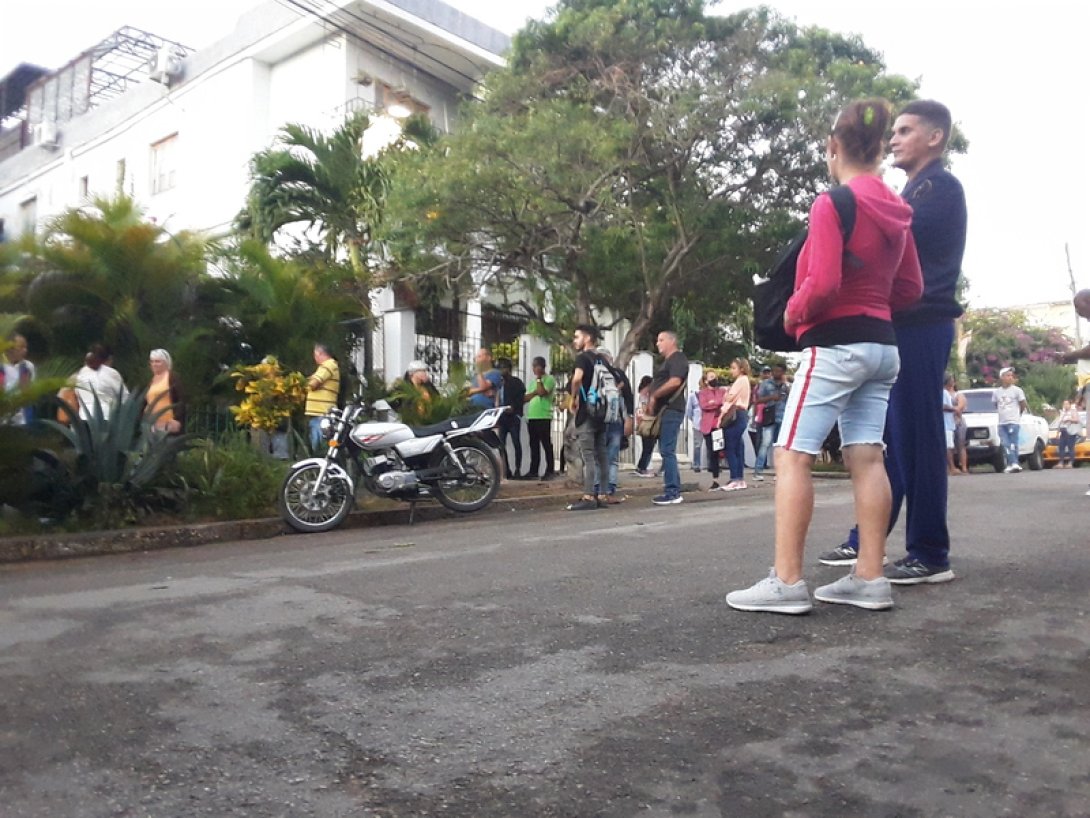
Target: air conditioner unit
46 134
166 67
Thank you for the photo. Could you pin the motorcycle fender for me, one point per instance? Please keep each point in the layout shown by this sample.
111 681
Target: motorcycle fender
333 469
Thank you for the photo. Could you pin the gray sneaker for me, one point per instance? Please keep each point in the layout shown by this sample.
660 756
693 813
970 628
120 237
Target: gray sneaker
772 595
872 594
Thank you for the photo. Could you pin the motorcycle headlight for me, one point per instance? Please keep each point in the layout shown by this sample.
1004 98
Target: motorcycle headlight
325 426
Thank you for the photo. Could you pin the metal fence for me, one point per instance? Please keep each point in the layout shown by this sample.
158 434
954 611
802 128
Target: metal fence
210 421
441 353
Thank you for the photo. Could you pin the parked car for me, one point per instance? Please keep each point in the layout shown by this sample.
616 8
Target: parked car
1052 450
982 433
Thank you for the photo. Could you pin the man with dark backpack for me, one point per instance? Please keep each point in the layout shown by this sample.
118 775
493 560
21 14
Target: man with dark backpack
591 403
615 391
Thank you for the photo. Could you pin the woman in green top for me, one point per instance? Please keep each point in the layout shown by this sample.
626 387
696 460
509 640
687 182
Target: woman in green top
539 420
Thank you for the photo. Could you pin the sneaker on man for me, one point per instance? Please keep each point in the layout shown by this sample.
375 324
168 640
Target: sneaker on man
583 504
644 473
843 554
1008 469
909 571
666 500
872 594
758 478
1015 467
772 595
715 486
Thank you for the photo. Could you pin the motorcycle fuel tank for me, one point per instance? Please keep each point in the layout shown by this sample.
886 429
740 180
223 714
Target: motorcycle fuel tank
372 436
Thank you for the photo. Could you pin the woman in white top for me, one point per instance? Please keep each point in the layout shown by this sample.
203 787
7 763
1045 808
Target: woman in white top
1070 425
98 378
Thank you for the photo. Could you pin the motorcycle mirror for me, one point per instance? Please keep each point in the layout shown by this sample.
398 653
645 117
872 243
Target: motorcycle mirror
381 405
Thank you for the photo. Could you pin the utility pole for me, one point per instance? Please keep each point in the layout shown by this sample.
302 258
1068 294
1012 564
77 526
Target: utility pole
1074 290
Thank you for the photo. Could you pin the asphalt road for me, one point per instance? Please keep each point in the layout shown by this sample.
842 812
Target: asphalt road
556 664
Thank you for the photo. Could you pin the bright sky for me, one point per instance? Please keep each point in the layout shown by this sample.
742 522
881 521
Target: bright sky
1013 74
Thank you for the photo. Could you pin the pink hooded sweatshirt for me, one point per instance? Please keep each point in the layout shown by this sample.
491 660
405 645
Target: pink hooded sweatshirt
883 275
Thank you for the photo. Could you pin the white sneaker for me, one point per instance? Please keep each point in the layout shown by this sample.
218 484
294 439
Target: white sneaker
872 594
1008 470
1015 467
773 596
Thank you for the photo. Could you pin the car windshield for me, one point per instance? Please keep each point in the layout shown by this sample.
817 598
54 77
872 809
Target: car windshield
979 401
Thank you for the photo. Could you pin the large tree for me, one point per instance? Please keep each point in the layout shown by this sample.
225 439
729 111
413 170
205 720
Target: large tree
633 154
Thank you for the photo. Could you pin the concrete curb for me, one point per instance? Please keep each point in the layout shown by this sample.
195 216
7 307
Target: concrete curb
130 540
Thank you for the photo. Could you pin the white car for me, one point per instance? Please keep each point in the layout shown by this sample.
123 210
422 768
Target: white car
982 433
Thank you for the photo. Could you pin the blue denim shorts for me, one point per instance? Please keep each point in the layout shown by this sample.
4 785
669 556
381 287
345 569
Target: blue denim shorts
849 383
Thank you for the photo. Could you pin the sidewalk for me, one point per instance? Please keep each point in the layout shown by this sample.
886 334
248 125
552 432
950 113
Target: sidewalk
514 495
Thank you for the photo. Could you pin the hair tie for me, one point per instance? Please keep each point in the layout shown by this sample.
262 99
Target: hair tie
868 116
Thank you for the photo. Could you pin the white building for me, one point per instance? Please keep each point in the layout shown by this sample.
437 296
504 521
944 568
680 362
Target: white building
176 130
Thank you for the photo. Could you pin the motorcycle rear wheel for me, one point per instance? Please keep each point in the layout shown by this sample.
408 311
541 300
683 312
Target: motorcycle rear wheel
308 510
482 481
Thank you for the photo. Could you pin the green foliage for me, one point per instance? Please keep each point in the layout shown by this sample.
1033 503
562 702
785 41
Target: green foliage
230 479
119 461
633 155
422 407
509 350
325 183
1000 338
281 306
104 274
272 395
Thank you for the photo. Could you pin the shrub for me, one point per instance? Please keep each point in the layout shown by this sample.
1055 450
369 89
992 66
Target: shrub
229 479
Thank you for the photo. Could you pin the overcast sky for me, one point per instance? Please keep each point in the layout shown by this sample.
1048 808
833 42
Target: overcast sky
1013 74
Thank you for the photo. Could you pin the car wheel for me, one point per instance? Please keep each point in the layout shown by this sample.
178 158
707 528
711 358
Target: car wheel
1036 460
999 460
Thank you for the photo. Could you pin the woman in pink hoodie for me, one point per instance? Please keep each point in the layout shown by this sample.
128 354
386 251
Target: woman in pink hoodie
840 313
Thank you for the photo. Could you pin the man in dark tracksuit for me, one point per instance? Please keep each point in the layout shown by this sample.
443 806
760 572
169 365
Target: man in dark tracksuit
915 437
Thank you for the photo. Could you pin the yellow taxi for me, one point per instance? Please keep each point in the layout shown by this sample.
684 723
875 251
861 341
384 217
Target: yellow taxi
1051 454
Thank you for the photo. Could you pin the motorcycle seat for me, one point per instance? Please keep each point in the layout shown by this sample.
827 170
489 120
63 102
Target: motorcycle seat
448 425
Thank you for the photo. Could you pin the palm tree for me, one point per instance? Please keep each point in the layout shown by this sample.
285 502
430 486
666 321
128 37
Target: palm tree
281 307
104 273
327 184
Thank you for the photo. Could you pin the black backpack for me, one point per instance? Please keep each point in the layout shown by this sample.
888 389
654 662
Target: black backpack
770 296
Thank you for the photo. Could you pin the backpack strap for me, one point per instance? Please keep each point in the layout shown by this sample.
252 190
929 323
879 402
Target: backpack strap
844 201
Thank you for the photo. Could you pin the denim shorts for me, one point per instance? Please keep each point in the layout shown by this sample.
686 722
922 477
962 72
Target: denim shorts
849 383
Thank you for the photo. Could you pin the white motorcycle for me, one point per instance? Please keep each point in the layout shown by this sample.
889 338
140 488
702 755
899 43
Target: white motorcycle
453 461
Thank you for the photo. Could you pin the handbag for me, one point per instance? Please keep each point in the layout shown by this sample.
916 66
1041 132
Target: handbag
727 418
718 440
650 427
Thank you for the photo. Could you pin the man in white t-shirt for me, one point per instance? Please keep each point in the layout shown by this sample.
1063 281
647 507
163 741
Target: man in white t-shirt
1010 403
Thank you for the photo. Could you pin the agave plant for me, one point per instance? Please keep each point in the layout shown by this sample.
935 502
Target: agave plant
119 458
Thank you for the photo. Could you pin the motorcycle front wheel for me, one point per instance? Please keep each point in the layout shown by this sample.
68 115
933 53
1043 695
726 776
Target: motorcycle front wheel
310 508
477 488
